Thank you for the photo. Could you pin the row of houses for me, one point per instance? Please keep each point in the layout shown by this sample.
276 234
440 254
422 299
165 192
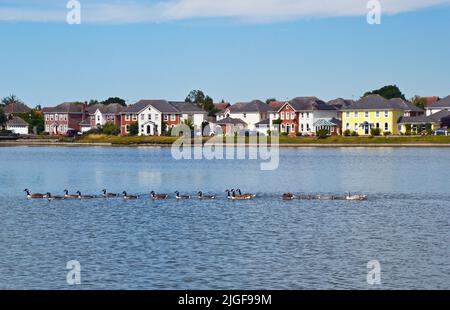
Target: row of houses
299 116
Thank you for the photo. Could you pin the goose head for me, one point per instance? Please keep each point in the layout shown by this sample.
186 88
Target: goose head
124 193
26 191
49 195
66 192
79 193
104 191
200 194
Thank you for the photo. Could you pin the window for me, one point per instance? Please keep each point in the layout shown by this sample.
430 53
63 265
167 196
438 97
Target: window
293 127
98 118
172 117
366 114
302 127
166 117
288 116
127 128
307 116
245 115
127 118
377 113
378 125
51 117
347 126
307 127
356 127
356 114
142 117
282 115
135 117
282 127
293 115
302 115
347 114
56 117
386 113
386 126
149 117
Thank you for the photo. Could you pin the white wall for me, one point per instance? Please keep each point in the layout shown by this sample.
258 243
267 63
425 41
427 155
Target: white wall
22 130
250 118
435 110
149 114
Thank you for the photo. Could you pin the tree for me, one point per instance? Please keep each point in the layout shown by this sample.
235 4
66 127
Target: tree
11 99
270 100
93 102
196 96
134 129
419 102
3 119
189 123
110 129
322 133
387 92
35 121
112 100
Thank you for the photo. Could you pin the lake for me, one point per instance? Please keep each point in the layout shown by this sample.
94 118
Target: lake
264 243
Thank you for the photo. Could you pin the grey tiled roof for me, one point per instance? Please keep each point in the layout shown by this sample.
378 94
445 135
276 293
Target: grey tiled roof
86 122
187 107
443 103
16 121
255 106
265 122
340 103
376 102
66 107
437 117
434 118
16 108
231 121
309 104
113 108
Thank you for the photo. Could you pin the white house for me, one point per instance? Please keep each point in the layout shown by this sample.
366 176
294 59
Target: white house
251 113
192 112
17 126
441 105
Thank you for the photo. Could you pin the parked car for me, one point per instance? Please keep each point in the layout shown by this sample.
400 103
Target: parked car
71 133
441 132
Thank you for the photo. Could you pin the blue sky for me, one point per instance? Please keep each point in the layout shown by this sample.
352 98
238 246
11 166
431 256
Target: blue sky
236 52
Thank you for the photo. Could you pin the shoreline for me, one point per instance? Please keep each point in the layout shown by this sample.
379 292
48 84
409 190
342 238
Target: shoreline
281 145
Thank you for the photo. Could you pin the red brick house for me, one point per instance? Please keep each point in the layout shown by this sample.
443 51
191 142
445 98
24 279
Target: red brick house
64 117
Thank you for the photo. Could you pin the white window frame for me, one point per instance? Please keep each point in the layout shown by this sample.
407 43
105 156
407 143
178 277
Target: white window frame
127 117
172 117
282 115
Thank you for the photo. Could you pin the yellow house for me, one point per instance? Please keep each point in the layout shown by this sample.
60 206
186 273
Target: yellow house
374 111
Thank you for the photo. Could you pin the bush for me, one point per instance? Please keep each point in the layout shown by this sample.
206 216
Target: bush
322 133
355 134
133 129
299 134
110 129
347 133
284 134
387 133
374 132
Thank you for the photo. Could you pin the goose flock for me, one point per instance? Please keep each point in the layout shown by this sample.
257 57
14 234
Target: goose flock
232 194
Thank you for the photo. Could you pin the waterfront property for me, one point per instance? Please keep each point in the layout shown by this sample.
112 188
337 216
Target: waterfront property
64 117
307 115
17 125
438 106
250 113
374 111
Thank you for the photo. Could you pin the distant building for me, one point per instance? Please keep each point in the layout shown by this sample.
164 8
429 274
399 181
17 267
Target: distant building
17 125
16 108
64 117
250 113
438 106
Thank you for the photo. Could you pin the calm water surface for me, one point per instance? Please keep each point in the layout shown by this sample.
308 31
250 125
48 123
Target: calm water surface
259 244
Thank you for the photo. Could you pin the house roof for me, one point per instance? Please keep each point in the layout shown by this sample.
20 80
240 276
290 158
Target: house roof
16 108
66 107
231 121
437 117
274 106
377 102
16 122
265 122
443 103
86 122
433 118
221 106
341 103
255 106
309 104
113 108
161 105
325 122
187 107
431 100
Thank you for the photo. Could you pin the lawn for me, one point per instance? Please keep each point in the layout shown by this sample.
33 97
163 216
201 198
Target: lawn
128 140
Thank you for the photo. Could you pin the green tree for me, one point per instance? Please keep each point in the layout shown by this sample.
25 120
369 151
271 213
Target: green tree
322 133
11 99
35 121
196 96
189 123
388 92
134 129
110 129
270 100
112 100
419 102
93 102
3 119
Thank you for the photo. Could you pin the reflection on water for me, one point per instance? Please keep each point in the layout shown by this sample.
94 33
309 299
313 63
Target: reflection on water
261 244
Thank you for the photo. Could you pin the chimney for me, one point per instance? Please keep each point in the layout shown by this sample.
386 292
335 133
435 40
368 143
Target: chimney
83 111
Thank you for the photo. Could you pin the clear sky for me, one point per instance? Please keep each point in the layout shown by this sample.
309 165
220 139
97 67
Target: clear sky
233 50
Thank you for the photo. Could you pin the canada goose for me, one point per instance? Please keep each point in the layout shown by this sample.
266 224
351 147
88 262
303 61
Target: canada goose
155 196
34 196
349 196
129 197
50 197
181 197
67 196
239 197
229 196
84 196
205 197
288 196
246 195
109 195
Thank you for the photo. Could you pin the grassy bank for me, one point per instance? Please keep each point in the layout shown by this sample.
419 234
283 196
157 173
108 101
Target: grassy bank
283 140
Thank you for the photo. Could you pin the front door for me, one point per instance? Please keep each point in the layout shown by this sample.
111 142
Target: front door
366 129
148 130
